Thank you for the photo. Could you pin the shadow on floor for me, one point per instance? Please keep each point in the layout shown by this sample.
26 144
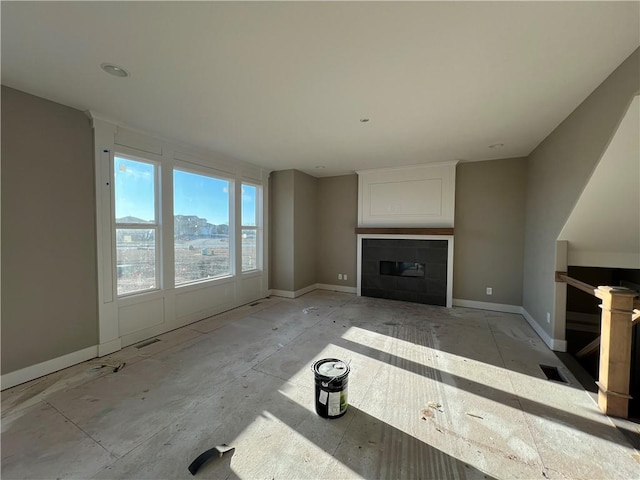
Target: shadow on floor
372 448
596 429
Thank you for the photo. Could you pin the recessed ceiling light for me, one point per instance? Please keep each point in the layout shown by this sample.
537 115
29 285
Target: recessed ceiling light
364 120
114 70
319 167
497 145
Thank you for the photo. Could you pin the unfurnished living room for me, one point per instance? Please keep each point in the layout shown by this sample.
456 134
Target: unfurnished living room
303 240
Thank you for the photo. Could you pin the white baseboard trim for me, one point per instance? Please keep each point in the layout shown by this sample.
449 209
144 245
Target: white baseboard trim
44 368
311 288
282 293
336 288
553 343
303 291
494 307
296 294
109 347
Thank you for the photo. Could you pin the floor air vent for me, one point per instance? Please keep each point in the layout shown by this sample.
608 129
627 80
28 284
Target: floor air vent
552 373
147 343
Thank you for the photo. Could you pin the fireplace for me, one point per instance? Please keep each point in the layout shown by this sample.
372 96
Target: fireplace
410 268
405 232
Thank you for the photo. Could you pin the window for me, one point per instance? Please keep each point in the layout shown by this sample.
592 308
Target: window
137 226
249 227
202 244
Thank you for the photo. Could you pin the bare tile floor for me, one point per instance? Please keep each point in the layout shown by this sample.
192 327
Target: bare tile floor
433 393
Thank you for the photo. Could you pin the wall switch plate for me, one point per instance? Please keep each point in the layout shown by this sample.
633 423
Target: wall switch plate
489 291
339 276
548 317
344 276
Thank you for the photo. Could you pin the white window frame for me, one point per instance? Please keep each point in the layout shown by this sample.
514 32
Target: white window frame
125 320
157 225
212 173
257 228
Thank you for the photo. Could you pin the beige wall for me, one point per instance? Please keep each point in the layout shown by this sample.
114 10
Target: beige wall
558 170
489 231
49 285
305 228
337 219
281 241
293 228
489 240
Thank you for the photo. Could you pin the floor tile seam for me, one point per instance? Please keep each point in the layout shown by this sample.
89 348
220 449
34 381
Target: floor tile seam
272 375
84 432
305 329
173 349
193 329
23 406
339 443
63 389
220 327
139 445
21 388
525 418
257 316
175 419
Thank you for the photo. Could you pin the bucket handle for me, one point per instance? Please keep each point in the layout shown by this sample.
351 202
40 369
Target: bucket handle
326 384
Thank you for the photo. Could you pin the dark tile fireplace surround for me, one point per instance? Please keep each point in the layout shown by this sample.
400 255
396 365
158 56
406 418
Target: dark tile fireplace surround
405 269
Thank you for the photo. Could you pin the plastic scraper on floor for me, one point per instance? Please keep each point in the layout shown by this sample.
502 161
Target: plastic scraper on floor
212 453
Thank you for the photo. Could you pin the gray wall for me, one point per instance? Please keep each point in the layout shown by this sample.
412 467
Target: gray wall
305 227
337 219
558 170
489 231
49 279
281 239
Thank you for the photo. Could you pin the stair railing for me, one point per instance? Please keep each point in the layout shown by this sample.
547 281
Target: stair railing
620 310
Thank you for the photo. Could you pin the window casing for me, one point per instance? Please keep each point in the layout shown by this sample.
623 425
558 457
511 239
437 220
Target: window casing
212 235
137 226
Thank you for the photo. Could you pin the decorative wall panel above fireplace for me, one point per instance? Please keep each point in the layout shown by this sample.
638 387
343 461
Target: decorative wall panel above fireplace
420 195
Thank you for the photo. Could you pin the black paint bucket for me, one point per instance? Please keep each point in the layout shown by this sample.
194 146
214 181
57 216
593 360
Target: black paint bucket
332 379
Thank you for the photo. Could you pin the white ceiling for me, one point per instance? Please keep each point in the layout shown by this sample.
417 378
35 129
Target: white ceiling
283 85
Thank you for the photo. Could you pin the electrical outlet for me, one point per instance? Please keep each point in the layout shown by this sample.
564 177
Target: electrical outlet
344 276
339 276
489 291
548 317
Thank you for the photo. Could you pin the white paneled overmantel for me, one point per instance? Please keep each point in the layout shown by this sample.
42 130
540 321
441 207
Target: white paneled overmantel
413 196
124 320
407 203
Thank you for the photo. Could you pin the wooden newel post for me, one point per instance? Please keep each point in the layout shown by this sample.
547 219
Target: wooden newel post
615 350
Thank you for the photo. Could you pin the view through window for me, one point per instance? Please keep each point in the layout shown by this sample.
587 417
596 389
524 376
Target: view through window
202 242
136 225
249 227
204 239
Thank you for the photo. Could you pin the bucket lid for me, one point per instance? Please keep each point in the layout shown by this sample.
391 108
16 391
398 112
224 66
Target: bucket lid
331 367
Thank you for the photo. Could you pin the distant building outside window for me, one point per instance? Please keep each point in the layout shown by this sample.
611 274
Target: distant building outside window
203 241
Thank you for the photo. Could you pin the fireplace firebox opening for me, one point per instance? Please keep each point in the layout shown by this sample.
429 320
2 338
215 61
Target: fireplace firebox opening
402 269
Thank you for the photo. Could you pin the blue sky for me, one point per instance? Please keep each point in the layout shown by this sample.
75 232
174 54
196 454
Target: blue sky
194 194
